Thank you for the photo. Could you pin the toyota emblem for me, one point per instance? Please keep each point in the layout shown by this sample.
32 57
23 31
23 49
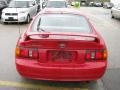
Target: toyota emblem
62 45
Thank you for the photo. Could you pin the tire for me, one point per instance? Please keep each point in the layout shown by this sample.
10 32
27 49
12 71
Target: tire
28 19
112 16
5 23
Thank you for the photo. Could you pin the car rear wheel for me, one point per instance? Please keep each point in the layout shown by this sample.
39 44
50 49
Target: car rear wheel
28 19
112 16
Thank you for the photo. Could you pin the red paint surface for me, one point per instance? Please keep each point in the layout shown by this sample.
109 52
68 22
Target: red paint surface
51 62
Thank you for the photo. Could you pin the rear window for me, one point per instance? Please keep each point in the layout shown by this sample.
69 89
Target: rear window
56 4
61 23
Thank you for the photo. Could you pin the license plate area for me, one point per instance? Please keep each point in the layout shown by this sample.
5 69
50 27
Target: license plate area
61 56
10 18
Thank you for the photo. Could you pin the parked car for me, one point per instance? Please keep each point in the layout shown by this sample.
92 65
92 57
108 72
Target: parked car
97 4
61 44
19 11
115 11
3 4
108 5
91 3
56 4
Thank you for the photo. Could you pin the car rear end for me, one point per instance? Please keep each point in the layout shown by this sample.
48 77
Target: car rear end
17 11
115 11
61 56
10 17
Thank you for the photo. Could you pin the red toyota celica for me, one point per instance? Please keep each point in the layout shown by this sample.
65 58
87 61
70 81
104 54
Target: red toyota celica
61 45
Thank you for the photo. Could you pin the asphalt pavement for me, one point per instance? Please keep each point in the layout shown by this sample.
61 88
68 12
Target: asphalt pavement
107 27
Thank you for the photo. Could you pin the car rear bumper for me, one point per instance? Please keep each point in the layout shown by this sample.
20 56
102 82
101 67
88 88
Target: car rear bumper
78 72
117 15
16 18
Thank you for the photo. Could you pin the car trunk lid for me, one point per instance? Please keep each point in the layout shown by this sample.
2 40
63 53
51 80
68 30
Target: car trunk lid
62 48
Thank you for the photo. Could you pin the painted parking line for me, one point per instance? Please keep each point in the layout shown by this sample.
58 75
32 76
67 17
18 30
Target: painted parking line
34 86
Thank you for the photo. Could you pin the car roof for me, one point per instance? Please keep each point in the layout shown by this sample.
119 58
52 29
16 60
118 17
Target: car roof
61 10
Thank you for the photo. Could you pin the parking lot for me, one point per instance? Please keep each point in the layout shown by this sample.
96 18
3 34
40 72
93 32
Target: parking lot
107 27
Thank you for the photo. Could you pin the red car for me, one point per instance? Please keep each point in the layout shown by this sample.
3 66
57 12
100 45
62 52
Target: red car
61 45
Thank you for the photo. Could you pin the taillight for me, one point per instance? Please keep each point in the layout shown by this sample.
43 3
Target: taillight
23 52
33 53
96 54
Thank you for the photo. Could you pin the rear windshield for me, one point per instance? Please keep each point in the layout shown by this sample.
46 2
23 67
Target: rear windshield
61 23
20 4
56 4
